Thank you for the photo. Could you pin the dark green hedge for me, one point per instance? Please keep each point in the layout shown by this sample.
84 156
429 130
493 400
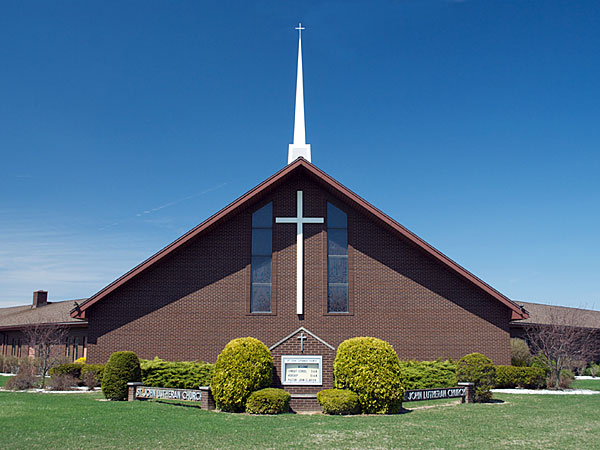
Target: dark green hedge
338 401
170 374
72 369
370 367
428 374
245 365
121 368
523 377
268 401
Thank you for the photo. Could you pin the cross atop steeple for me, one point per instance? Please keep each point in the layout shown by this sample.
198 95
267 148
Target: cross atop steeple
299 147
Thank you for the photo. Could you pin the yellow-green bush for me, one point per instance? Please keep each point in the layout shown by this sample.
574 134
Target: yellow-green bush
245 365
268 401
121 368
428 374
479 370
71 369
370 367
338 401
523 377
176 374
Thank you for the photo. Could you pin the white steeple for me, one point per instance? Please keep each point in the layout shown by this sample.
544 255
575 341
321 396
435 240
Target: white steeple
299 147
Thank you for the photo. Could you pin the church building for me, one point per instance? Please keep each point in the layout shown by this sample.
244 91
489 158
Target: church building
302 263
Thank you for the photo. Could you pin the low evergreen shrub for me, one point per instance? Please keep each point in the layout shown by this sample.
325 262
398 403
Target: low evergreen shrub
72 369
370 367
523 377
338 401
91 375
268 401
593 370
182 375
245 365
428 374
121 368
478 369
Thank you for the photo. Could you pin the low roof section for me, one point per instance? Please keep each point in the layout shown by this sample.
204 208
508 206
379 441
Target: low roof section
301 165
55 313
540 314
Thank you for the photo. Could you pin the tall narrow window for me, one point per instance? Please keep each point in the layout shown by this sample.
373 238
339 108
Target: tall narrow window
262 260
337 260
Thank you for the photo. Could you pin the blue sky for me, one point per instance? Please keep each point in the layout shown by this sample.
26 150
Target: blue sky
473 123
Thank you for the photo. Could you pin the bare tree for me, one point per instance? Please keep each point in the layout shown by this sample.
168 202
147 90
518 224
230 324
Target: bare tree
43 339
564 339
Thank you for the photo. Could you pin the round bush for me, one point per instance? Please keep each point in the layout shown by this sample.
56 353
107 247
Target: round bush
121 368
479 370
338 401
245 365
268 401
520 356
370 367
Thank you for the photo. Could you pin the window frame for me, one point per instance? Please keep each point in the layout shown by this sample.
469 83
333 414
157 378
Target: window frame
325 305
249 311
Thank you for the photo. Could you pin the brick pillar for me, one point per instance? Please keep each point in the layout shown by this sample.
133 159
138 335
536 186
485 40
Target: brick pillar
131 387
207 402
470 392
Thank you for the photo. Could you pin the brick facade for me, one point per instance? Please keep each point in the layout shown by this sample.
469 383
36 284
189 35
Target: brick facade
194 300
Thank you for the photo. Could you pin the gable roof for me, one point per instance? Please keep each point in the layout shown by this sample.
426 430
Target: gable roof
56 313
299 165
540 314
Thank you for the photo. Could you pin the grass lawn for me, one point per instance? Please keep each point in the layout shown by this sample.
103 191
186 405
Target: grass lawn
593 385
80 421
4 379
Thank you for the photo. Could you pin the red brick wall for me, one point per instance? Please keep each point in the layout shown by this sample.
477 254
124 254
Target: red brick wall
189 305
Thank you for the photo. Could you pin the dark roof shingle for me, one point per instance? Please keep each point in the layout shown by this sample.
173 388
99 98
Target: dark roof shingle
52 312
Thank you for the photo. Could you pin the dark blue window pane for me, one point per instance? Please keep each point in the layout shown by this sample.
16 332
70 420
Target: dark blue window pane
336 218
263 218
337 269
262 241
261 298
337 241
337 298
261 269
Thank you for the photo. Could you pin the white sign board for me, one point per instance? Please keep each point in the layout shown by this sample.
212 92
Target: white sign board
298 370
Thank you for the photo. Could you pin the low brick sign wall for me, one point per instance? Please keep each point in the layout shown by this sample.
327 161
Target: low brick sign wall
463 391
137 391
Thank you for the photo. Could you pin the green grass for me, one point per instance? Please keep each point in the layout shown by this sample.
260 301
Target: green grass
4 379
593 385
80 421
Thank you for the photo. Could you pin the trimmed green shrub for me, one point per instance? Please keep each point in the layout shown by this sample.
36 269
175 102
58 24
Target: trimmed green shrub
71 369
520 356
593 370
121 368
370 367
428 374
245 365
523 377
181 375
268 401
478 369
338 401
91 375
